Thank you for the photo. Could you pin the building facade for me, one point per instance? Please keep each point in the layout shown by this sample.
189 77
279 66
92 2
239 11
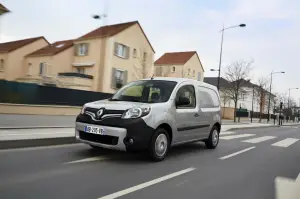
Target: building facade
12 56
103 60
180 64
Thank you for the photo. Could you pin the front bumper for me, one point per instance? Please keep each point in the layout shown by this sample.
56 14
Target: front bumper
117 133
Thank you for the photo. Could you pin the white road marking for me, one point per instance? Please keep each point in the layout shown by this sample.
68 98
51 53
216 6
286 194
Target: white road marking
146 184
88 160
236 153
286 142
40 148
259 139
230 137
227 133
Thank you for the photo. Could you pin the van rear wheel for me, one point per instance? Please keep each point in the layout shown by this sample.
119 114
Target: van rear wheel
159 145
213 139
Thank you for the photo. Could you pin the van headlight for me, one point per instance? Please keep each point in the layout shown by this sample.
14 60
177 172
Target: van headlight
82 110
136 112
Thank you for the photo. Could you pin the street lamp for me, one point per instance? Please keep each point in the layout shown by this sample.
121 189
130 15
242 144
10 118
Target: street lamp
214 70
220 61
271 93
102 47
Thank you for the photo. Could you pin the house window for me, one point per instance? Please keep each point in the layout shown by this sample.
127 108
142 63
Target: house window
43 68
145 57
2 65
29 69
82 49
119 78
189 71
121 50
193 73
173 69
134 53
80 70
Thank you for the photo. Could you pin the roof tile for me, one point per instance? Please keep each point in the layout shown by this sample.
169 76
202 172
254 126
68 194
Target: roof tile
53 49
111 30
13 45
174 58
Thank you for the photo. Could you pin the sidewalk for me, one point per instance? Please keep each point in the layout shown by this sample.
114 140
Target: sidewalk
19 138
8 121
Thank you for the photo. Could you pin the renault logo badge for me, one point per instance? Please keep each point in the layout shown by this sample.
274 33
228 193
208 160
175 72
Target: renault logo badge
100 112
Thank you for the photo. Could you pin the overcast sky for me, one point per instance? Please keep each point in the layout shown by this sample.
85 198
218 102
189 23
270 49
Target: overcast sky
271 38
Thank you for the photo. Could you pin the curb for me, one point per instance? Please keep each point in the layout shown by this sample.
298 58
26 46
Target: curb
34 127
257 127
15 144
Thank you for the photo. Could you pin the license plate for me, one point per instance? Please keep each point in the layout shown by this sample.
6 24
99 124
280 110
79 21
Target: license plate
94 130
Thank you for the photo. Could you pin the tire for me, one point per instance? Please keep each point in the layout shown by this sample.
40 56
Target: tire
159 145
213 139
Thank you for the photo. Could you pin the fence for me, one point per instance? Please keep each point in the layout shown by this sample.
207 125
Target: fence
26 93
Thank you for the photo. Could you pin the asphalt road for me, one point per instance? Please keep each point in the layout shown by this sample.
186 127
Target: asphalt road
244 165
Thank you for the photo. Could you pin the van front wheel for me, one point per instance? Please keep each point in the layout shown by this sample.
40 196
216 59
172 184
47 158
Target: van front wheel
159 145
213 139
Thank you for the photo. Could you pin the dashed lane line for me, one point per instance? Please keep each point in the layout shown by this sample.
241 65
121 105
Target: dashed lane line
236 153
92 159
146 184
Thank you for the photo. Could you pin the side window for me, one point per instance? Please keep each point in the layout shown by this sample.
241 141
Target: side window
214 97
208 98
189 92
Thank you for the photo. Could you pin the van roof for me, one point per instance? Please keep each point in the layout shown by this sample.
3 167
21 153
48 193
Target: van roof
179 80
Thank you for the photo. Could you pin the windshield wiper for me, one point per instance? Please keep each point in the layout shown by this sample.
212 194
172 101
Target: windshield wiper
114 100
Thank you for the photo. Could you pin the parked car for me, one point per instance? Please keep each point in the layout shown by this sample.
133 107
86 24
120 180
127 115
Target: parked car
153 114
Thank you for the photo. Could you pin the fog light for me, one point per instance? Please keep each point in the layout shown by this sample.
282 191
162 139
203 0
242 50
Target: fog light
130 141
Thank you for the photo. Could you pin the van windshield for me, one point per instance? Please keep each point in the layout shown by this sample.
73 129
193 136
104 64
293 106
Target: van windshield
145 91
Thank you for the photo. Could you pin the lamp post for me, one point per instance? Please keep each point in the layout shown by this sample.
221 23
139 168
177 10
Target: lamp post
220 61
271 92
102 50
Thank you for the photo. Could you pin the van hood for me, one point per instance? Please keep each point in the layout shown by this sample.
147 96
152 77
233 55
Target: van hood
115 105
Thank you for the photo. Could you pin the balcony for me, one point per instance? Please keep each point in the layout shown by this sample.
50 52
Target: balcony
75 80
72 74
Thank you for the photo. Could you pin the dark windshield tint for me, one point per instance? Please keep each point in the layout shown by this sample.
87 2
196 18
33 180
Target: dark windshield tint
146 91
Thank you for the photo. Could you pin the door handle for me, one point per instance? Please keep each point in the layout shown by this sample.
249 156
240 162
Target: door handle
196 115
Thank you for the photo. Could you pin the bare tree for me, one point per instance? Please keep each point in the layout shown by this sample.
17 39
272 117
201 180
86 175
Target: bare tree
235 73
224 99
261 94
142 63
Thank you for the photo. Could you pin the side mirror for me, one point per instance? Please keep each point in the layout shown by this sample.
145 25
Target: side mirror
182 101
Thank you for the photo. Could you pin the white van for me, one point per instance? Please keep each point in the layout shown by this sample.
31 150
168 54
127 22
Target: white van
153 114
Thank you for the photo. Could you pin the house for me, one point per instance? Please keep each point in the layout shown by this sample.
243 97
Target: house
46 64
180 64
224 85
113 55
248 96
3 9
12 56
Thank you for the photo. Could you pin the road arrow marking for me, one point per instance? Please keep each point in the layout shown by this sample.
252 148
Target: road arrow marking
286 188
